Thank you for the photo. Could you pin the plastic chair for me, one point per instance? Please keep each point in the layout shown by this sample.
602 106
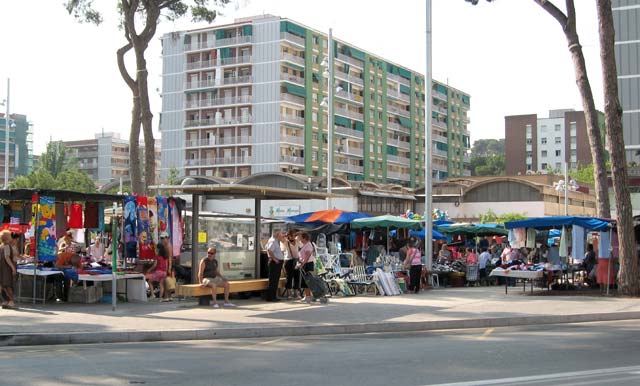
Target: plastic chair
435 280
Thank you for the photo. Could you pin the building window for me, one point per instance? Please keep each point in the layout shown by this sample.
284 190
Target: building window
528 130
573 129
573 140
314 116
558 165
558 153
543 166
543 140
558 140
543 128
529 154
558 127
574 153
544 154
529 141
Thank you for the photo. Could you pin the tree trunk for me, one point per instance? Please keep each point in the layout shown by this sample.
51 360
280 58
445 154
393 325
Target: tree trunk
628 275
147 120
568 24
134 148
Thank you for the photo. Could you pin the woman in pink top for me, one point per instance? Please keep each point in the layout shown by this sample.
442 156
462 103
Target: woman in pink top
305 259
472 258
414 259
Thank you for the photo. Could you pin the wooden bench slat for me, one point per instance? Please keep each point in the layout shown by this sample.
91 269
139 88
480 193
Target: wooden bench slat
234 287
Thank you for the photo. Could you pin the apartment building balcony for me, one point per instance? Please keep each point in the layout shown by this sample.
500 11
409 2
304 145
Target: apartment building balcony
354 151
292 38
440 153
209 83
218 141
296 139
398 159
349 132
440 110
239 100
349 114
236 40
398 95
353 79
350 60
398 79
286 97
441 96
349 96
440 124
398 127
234 60
85 166
290 159
218 122
398 111
439 138
223 161
294 119
347 167
399 143
195 46
439 167
292 78
398 176
292 58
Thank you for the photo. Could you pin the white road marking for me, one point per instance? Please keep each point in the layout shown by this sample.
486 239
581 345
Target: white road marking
546 377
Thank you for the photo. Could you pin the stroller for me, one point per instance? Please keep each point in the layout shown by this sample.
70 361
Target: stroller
317 286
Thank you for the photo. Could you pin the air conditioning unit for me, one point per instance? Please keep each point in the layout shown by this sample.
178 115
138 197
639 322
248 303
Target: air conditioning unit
529 172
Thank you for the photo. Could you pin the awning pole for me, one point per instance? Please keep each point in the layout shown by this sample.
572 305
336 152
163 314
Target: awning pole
195 214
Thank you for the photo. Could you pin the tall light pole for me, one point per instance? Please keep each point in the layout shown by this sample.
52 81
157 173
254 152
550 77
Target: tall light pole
565 185
428 230
6 139
327 63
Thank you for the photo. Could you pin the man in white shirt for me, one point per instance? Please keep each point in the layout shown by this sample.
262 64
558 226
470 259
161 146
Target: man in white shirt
483 260
276 258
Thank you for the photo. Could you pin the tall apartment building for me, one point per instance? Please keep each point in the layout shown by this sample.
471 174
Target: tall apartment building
105 158
626 19
20 146
247 97
535 144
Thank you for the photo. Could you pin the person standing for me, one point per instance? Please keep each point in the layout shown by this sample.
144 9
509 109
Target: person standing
483 260
8 269
276 258
414 260
209 276
306 262
290 248
471 257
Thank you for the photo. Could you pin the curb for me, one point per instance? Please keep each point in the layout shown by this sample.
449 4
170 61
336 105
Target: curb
35 339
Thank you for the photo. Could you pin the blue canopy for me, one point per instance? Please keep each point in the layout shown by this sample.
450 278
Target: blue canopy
590 223
434 233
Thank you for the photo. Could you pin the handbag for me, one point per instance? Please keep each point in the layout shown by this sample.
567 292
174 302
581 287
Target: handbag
170 283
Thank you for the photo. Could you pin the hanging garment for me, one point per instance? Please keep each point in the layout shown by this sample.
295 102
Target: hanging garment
75 216
511 237
531 238
152 205
145 245
176 228
564 244
91 215
577 242
47 248
61 220
519 238
130 241
605 245
163 215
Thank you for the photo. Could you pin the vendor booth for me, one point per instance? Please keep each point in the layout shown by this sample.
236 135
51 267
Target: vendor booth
567 263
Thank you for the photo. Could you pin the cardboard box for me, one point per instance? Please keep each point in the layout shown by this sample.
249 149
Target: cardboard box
91 294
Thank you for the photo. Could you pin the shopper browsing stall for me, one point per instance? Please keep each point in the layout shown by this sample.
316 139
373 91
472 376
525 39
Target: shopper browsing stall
8 270
414 262
276 258
290 248
306 261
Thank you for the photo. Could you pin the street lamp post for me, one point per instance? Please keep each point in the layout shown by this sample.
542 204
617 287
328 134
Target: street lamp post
6 139
565 185
327 63
428 146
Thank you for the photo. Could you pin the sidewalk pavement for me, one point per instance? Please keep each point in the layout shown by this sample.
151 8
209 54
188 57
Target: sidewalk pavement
450 308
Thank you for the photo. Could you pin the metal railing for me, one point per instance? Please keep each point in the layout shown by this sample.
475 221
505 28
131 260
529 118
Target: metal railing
291 78
219 161
398 176
399 143
297 139
398 79
291 98
292 159
218 122
441 153
243 99
292 58
436 123
348 113
349 132
349 78
218 141
440 138
208 83
349 96
292 38
292 119
350 60
398 111
398 127
357 151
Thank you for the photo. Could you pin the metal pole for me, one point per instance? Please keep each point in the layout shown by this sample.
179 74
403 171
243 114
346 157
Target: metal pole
195 213
114 256
566 189
428 230
257 245
330 119
6 139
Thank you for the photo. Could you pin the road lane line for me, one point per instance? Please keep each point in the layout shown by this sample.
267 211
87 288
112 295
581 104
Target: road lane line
543 377
486 334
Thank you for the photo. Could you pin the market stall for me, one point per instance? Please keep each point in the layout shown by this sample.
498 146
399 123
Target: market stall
577 235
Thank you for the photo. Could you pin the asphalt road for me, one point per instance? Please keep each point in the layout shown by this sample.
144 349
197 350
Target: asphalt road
580 354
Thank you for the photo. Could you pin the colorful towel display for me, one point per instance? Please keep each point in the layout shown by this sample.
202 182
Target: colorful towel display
130 241
176 228
578 239
91 215
152 204
47 229
61 220
144 239
163 215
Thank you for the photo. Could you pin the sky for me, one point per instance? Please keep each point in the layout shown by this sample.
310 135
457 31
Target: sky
510 56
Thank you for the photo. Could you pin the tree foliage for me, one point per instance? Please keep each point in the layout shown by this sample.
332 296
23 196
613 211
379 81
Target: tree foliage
493 165
57 170
491 217
138 21
488 147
